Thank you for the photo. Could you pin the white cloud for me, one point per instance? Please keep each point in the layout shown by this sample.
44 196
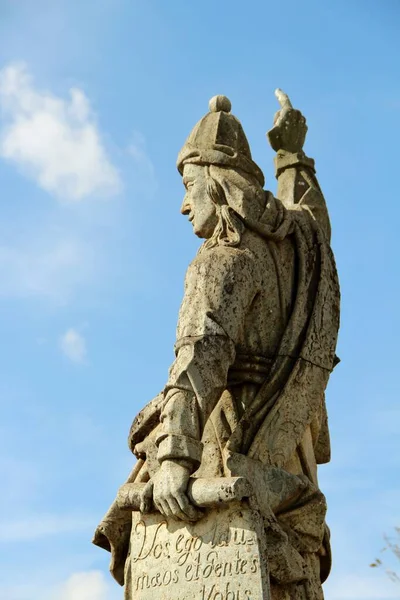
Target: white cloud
89 585
73 345
56 141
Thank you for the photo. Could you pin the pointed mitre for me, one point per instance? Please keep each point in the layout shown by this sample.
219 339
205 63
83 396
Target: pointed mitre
219 139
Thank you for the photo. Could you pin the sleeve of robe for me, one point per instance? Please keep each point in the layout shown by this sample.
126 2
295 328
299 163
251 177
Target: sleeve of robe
220 285
298 187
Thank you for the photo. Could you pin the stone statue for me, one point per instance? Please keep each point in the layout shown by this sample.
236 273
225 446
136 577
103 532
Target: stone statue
223 502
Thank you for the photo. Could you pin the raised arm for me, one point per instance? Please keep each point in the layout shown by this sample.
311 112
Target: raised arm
298 187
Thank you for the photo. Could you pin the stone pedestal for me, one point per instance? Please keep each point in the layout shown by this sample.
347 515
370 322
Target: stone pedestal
221 557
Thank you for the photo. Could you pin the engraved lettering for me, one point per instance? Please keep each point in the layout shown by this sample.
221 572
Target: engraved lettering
142 554
197 543
167 578
254 567
230 594
178 543
141 582
210 595
158 550
187 571
213 559
207 571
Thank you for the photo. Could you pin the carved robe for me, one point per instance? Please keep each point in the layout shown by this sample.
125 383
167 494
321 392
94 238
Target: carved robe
255 346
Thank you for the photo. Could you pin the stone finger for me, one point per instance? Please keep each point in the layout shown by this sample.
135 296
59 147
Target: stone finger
147 497
192 513
283 98
165 509
283 116
276 116
297 115
176 509
158 504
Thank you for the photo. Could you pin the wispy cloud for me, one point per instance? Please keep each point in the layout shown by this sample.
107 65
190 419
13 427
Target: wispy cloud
55 141
73 345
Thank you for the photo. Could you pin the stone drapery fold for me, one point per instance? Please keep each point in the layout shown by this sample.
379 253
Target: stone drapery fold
274 423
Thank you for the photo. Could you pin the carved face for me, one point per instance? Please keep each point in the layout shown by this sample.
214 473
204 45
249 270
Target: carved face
197 204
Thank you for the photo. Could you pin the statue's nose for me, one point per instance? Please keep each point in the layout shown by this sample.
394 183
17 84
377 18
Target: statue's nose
185 208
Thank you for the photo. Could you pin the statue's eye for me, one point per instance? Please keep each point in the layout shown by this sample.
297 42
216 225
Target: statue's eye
189 184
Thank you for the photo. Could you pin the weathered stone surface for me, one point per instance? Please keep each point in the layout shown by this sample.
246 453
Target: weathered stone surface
221 557
203 493
255 347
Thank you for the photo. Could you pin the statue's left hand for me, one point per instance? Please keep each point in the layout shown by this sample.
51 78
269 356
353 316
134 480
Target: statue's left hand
290 129
168 488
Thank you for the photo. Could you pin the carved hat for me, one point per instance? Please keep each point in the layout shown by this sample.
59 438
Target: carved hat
219 139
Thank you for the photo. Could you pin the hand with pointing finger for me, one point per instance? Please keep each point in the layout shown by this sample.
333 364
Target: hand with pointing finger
289 131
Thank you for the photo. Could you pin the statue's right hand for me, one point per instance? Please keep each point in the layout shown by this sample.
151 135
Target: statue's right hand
290 128
169 486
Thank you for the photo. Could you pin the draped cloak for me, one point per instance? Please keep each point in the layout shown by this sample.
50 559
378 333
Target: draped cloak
282 429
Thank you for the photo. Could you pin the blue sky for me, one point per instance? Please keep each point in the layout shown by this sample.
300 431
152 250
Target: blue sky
96 99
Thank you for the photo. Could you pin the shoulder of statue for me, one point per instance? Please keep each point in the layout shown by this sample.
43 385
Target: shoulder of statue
222 262
228 255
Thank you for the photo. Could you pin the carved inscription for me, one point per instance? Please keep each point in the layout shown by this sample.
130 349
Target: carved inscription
218 558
